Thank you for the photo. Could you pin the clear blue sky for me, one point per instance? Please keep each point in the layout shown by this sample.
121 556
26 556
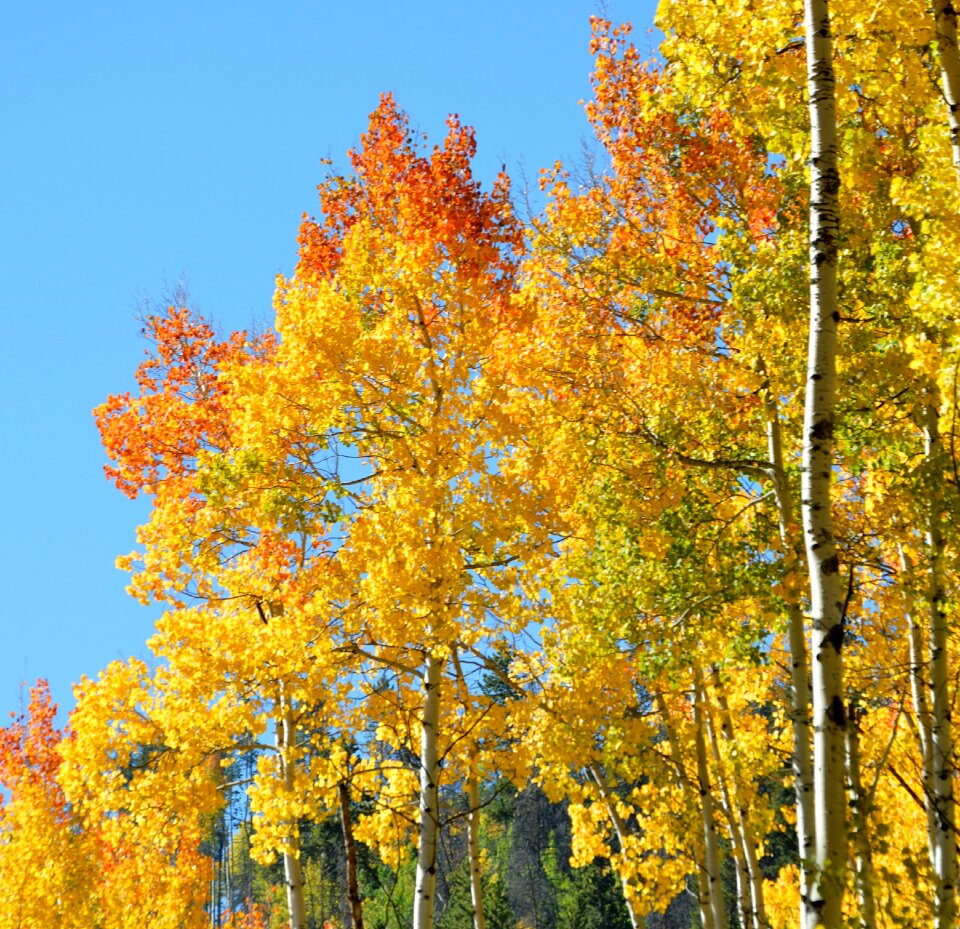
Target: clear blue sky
142 141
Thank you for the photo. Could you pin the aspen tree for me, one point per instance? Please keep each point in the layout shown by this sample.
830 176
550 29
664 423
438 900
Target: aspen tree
826 596
709 895
387 328
286 741
941 741
429 826
620 829
711 846
800 697
741 834
473 843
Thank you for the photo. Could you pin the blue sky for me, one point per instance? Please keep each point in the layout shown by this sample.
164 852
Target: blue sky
145 141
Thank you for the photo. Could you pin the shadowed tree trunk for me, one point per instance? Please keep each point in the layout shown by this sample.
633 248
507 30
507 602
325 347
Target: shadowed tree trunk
350 853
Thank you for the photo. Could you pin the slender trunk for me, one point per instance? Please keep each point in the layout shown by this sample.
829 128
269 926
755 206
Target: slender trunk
945 844
350 852
620 828
429 829
945 15
741 884
711 846
744 890
228 874
802 757
476 875
941 748
860 824
286 741
826 596
703 880
921 708
751 858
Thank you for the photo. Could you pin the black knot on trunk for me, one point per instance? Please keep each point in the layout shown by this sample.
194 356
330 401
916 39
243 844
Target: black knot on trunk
835 637
835 712
822 429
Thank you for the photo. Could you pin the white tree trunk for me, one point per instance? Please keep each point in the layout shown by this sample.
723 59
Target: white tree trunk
429 828
703 882
286 740
758 908
945 15
744 890
802 758
620 828
711 846
945 839
476 875
945 835
826 595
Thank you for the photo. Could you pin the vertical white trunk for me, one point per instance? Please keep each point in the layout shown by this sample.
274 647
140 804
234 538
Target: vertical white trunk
802 758
747 840
945 15
711 847
742 882
429 829
286 740
476 875
620 828
945 840
860 827
744 890
703 883
826 596
941 748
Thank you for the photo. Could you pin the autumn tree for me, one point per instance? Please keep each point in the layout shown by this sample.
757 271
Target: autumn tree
386 331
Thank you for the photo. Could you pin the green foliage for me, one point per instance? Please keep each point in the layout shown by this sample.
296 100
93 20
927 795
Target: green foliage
588 898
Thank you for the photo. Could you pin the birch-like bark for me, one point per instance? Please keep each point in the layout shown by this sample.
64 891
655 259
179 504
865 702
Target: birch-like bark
860 826
744 890
711 846
620 828
748 842
429 827
802 758
941 747
945 16
350 853
286 740
826 594
703 882
473 842
945 844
